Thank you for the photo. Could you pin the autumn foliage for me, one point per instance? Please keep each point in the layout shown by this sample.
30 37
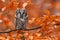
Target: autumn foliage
44 13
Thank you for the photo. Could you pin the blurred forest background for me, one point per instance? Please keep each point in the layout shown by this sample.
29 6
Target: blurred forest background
44 13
